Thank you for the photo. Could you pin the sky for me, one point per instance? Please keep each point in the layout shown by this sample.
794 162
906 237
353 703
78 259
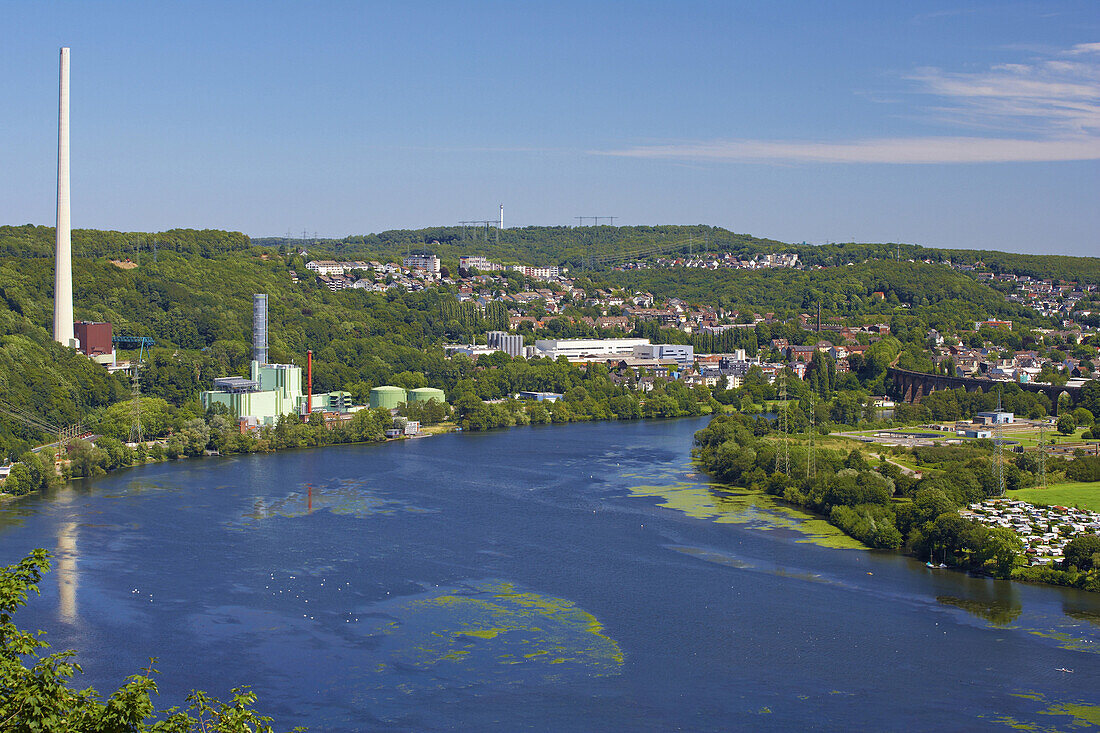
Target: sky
946 124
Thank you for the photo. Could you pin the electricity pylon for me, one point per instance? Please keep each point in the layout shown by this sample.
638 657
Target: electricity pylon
998 450
811 457
136 433
783 455
1042 454
65 433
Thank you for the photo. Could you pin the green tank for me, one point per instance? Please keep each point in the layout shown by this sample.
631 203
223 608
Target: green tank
388 397
423 394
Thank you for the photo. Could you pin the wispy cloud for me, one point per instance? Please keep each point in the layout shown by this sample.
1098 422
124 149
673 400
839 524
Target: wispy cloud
1047 109
882 150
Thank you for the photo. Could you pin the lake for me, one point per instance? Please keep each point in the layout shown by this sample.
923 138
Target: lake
556 578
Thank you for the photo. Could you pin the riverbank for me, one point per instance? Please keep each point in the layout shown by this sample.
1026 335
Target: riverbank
881 505
158 451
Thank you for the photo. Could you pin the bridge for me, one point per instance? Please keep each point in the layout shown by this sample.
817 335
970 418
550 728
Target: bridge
133 342
915 385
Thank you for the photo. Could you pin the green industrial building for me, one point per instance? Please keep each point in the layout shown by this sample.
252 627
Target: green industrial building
424 394
387 397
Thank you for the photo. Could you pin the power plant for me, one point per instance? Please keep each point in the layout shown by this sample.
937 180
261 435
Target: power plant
272 390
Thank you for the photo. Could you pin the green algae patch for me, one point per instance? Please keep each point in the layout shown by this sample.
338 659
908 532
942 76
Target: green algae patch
1068 642
1085 713
1081 714
489 633
755 509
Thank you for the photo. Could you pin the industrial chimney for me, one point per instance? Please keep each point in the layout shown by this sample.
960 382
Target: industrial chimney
63 253
259 328
502 216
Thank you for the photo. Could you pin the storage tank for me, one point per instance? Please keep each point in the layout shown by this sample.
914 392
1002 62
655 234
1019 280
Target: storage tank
423 394
388 397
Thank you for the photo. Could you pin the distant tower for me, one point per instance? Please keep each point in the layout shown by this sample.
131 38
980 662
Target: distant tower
501 216
259 328
63 255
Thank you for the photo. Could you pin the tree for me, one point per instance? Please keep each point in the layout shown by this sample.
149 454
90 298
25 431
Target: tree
1083 552
1067 424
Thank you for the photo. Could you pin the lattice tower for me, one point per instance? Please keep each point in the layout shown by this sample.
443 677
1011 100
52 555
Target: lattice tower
811 455
998 451
1042 455
136 435
783 455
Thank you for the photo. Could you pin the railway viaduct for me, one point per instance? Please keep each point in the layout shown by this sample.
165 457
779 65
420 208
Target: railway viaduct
915 385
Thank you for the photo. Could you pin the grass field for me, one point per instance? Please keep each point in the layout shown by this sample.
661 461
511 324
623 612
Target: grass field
1084 495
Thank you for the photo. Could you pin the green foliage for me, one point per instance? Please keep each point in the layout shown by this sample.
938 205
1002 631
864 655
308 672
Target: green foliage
1083 552
863 501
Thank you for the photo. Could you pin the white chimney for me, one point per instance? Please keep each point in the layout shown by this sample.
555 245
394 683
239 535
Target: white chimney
63 254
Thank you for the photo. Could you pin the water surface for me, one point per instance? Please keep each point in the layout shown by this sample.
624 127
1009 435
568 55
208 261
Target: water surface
558 578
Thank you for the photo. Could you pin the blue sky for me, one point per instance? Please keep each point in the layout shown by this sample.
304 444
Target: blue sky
944 124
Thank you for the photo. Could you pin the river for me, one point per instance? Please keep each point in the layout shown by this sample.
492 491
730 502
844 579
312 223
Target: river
557 578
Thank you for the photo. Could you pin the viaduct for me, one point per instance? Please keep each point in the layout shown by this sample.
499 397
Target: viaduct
915 385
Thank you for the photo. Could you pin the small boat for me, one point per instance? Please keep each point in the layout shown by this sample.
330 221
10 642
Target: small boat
1063 669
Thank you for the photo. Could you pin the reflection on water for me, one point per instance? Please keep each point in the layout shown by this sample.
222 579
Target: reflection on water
65 561
66 571
996 612
346 496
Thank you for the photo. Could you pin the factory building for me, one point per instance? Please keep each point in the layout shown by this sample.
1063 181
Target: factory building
272 390
587 349
512 345
95 340
684 354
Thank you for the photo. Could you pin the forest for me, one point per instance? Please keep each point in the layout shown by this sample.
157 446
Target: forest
193 295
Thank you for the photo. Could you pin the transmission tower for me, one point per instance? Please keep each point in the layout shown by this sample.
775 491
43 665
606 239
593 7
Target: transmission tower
1043 455
811 457
65 433
783 455
136 435
999 451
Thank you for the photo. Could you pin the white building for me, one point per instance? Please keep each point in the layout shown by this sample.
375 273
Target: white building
588 349
684 354
325 267
429 263
478 262
538 273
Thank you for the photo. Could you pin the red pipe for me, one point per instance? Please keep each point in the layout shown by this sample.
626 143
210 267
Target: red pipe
309 383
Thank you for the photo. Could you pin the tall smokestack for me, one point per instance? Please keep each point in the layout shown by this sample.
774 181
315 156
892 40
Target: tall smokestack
259 328
502 216
63 253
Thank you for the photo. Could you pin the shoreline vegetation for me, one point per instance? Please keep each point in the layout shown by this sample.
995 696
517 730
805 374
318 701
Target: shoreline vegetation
885 507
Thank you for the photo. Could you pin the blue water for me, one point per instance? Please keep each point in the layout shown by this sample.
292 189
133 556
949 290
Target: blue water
512 580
